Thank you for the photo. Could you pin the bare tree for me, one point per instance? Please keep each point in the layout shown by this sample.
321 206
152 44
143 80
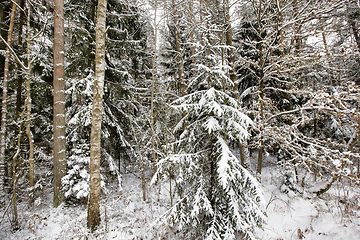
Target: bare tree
95 142
59 103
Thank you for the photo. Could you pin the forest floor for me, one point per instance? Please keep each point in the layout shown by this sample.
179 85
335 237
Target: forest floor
334 215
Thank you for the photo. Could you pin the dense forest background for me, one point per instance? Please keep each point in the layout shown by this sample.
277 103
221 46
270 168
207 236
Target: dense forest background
197 95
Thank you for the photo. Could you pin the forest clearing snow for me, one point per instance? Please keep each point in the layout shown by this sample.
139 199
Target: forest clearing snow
335 215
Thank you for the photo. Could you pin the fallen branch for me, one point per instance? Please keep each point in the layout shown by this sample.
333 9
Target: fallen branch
328 186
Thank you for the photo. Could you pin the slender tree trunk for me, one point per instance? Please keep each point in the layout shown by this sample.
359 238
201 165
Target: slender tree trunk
153 89
242 155
4 99
178 57
192 48
93 219
230 54
201 20
261 95
212 183
15 216
93 10
14 162
354 29
322 22
356 139
355 32
143 179
171 176
28 109
20 46
231 59
1 24
59 103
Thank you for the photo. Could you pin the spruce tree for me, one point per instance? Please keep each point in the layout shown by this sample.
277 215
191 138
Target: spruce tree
217 197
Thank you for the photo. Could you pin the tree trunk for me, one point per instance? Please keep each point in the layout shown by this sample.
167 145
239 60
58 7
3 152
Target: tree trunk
192 48
355 32
59 103
143 179
15 216
20 46
14 161
230 54
95 141
242 155
178 57
261 95
4 98
323 35
28 108
153 91
231 59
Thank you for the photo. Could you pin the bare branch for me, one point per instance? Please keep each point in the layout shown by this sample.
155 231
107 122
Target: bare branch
13 52
304 109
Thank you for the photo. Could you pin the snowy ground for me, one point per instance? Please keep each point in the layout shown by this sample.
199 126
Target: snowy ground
334 215
126 216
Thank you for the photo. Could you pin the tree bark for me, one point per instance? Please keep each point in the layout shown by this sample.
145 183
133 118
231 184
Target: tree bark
59 103
143 179
20 46
28 109
192 24
230 54
4 98
355 31
261 95
153 90
95 142
178 57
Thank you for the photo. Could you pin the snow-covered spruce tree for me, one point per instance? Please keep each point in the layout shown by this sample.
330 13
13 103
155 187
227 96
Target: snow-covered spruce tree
217 197
178 48
79 74
128 68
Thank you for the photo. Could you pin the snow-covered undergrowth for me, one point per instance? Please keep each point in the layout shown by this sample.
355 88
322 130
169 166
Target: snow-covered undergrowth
124 216
335 215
